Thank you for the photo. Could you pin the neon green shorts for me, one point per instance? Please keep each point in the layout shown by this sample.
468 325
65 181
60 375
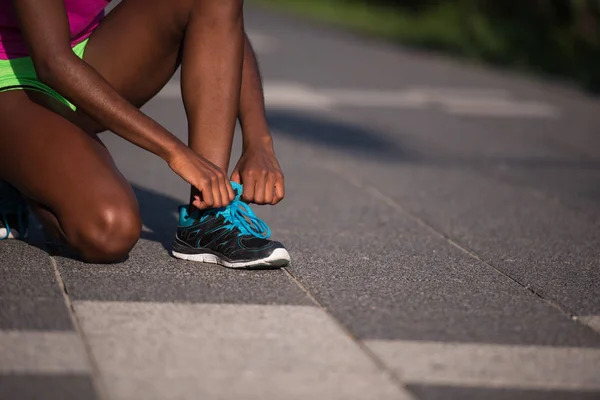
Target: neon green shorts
19 74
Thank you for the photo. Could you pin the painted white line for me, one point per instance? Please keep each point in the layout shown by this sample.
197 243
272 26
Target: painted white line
295 96
499 109
593 321
207 351
493 103
487 365
438 91
29 352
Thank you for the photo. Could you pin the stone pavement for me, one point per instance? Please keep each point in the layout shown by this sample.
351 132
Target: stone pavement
444 225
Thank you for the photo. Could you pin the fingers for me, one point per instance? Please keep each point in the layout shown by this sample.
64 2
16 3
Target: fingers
249 185
215 191
269 189
205 199
263 187
279 188
259 187
236 177
225 189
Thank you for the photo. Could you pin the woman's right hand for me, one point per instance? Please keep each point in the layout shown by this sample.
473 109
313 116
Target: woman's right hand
212 182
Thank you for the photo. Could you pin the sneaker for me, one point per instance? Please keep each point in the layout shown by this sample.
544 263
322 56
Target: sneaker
231 236
14 213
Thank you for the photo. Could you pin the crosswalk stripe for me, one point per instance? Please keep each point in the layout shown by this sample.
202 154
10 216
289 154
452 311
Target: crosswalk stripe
490 365
196 351
41 353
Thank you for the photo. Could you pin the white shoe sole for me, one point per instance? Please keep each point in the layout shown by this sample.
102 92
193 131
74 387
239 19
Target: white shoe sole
279 258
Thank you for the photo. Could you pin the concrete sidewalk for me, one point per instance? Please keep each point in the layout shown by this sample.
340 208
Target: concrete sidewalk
444 226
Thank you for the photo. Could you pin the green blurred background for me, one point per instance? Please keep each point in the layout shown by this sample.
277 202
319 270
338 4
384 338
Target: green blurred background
557 38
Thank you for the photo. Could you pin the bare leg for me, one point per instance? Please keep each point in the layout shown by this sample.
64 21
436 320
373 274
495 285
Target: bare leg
69 178
153 36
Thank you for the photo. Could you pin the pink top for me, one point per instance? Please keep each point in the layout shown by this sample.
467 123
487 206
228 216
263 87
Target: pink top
84 16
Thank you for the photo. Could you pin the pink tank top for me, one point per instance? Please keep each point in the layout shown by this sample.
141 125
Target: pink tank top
84 16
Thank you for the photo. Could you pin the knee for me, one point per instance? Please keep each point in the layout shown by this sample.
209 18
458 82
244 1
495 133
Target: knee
109 233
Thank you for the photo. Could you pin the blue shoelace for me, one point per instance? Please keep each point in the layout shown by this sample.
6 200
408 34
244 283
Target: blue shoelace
239 215
11 204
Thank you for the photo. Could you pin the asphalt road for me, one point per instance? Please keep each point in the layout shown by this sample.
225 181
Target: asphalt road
444 226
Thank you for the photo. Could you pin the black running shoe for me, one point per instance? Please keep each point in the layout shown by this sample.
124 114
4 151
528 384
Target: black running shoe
14 213
232 236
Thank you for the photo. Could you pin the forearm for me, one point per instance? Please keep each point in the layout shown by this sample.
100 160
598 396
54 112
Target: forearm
90 92
252 105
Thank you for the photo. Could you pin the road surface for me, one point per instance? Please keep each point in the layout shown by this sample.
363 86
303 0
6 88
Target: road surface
444 224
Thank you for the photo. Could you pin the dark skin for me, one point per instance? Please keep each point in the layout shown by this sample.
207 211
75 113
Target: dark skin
80 195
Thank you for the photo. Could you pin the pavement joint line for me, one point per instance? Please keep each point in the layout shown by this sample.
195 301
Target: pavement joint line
379 363
397 206
98 383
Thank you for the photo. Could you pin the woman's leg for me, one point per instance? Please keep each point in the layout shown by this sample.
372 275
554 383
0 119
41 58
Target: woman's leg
68 177
140 43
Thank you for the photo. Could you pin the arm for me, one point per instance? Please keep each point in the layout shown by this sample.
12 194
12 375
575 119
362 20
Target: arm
258 168
45 27
252 103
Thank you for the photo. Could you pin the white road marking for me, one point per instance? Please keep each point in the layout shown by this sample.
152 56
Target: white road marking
296 96
492 103
489 365
29 352
208 351
499 108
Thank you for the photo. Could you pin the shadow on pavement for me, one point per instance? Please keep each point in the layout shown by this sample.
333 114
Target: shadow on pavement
158 212
326 132
354 140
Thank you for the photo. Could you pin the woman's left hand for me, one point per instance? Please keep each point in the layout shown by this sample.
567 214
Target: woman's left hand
259 171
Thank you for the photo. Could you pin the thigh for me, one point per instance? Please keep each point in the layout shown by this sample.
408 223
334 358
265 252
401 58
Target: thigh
55 163
136 47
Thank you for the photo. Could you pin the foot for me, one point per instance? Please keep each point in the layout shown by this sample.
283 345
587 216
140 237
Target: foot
232 236
14 213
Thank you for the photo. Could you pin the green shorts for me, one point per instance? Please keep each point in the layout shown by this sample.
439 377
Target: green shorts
19 74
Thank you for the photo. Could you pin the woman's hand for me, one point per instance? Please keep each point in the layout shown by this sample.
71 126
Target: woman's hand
259 171
212 183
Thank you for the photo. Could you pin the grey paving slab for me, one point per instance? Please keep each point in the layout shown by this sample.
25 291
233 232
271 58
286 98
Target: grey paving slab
423 392
25 271
541 243
151 274
46 387
20 313
42 352
385 276
493 366
216 351
536 155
